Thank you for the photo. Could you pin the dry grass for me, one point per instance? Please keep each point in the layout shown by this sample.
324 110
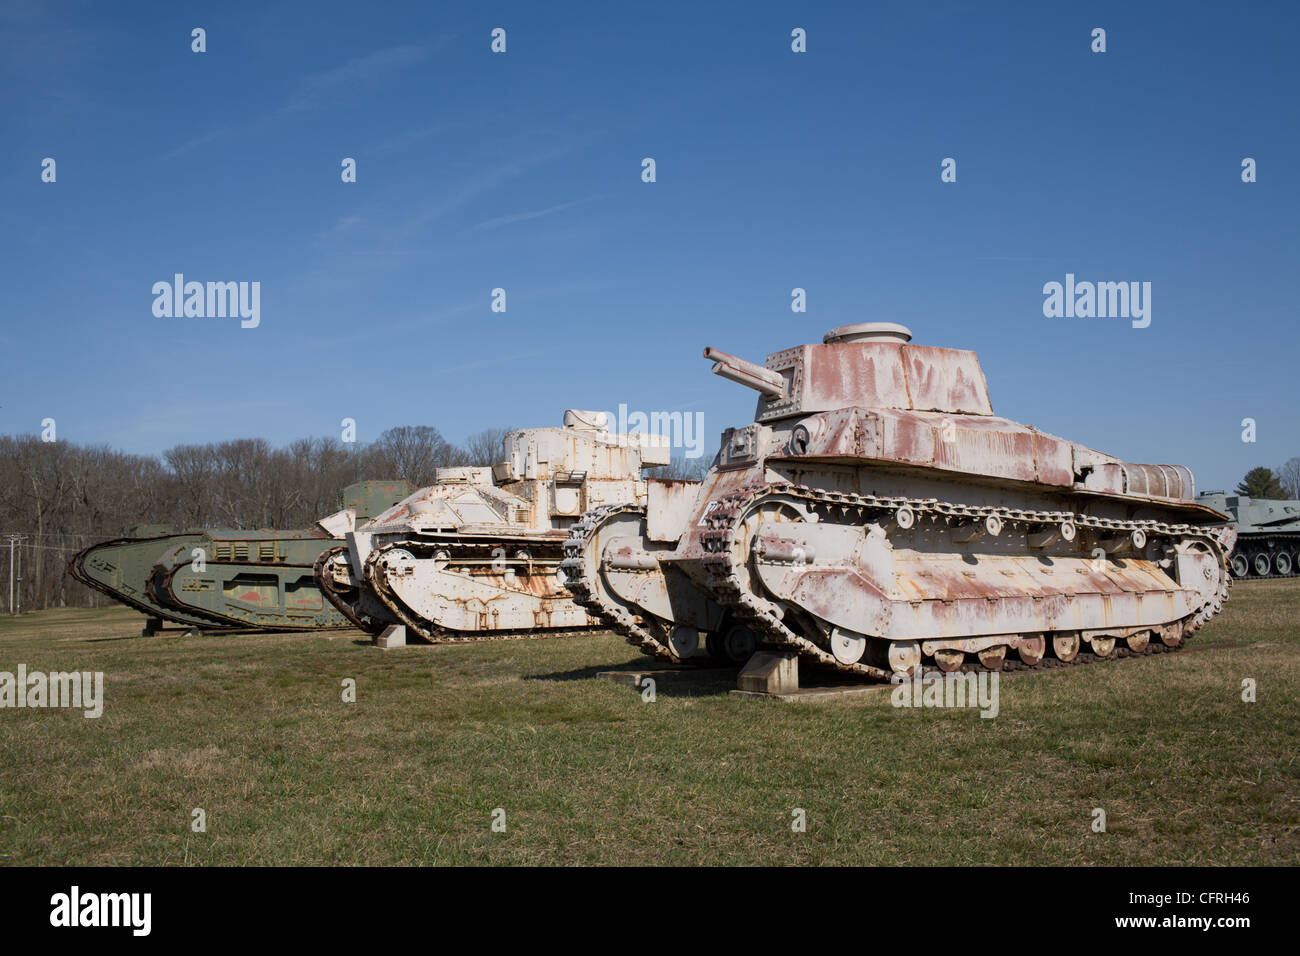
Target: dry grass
253 730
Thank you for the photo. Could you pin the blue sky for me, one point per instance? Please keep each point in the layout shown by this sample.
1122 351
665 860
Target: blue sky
523 171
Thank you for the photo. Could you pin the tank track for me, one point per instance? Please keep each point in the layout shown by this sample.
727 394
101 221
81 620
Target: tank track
336 599
76 567
728 589
221 620
587 595
1244 541
441 635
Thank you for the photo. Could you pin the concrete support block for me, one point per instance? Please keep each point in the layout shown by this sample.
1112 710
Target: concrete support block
771 672
394 635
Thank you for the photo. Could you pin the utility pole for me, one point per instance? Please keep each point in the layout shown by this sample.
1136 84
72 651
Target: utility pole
13 540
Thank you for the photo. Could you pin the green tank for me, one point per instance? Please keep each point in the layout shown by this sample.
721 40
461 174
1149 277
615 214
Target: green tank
231 578
1268 534
120 568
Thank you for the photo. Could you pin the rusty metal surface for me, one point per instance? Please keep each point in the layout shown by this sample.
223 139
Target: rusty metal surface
476 555
877 507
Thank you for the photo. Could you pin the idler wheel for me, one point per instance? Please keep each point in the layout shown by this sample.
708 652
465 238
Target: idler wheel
1103 646
1137 643
992 657
1065 646
684 641
949 659
1031 650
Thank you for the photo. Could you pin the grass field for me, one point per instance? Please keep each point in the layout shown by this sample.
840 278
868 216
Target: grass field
253 729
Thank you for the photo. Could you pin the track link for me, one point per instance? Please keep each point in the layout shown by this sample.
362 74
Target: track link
435 634
586 592
728 588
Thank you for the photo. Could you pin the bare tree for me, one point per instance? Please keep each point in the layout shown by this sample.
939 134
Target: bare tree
484 448
411 452
681 467
63 497
1289 475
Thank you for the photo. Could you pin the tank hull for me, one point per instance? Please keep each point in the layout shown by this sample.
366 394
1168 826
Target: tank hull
271 588
450 588
477 556
925 532
1268 534
120 569
261 580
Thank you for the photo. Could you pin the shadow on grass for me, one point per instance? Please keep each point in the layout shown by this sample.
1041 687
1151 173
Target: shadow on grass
669 681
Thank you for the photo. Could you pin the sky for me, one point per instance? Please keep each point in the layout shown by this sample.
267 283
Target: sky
522 171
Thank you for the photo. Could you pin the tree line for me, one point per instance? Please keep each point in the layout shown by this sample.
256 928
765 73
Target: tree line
62 497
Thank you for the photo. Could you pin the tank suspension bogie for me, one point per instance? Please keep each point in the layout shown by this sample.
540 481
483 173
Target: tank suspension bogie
1065 646
1103 645
881 596
1031 649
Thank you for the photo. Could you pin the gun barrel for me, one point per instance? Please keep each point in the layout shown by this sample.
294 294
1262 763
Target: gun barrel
746 373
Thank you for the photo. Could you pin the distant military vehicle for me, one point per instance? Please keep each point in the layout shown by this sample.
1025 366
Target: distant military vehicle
1268 534
475 556
877 518
230 578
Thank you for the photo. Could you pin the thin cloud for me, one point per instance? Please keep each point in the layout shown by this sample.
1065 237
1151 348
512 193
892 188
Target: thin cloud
535 214
340 227
319 88
196 142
